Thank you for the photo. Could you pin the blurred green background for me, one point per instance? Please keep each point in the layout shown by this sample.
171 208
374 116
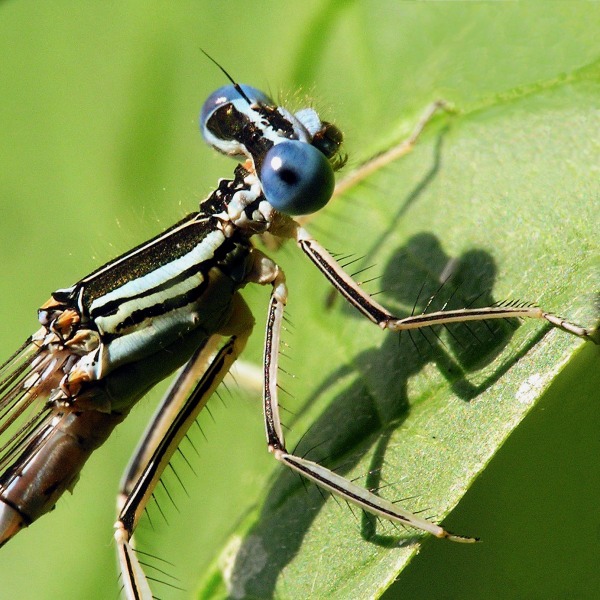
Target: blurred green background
100 150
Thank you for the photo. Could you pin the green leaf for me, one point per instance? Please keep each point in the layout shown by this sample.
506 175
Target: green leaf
100 111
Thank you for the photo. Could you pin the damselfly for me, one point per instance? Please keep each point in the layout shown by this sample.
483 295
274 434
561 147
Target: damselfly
174 303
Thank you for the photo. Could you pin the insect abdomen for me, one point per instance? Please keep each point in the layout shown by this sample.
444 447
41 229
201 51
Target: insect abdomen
50 465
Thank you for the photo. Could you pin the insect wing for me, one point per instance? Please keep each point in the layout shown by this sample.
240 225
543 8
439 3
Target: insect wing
22 394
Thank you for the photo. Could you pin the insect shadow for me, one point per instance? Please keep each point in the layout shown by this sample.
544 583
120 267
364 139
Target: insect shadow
363 416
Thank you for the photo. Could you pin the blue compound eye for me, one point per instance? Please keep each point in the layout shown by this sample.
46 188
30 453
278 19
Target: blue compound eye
227 94
296 178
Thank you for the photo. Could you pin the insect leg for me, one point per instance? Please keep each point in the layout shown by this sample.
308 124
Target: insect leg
394 153
375 312
320 475
377 162
194 385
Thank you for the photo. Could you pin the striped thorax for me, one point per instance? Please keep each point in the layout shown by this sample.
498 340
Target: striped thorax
107 339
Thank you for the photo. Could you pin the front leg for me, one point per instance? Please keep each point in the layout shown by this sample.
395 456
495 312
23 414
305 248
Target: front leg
316 473
376 313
